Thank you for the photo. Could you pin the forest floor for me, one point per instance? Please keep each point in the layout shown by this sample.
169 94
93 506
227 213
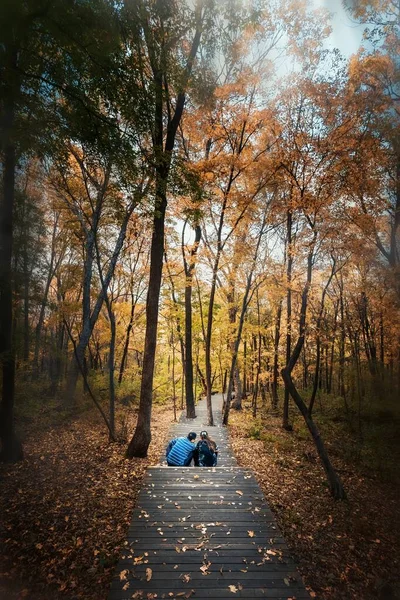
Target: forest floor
348 550
66 507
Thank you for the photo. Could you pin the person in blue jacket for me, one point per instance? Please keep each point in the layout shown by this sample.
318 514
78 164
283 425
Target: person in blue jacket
179 452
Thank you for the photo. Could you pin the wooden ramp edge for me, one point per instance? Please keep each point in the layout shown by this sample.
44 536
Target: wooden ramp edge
204 533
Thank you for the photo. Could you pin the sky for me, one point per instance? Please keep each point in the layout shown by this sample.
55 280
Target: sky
346 34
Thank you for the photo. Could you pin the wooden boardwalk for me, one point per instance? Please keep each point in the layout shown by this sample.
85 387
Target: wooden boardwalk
204 532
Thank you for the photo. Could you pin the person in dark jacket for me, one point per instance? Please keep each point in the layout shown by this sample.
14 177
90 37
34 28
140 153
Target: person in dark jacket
206 452
179 452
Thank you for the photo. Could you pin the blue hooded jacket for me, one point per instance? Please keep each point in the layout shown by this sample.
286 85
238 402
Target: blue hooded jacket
179 452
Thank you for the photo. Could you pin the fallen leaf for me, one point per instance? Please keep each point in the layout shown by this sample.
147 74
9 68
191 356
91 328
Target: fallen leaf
149 574
233 589
251 533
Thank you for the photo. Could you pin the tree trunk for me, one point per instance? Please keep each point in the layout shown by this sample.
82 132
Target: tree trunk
245 303
257 380
332 353
275 371
335 484
11 448
318 340
342 388
111 366
141 439
237 402
202 379
289 253
189 268
90 317
26 299
178 328
126 344
190 404
43 305
334 481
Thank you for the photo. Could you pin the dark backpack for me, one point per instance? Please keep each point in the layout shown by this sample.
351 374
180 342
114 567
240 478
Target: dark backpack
206 455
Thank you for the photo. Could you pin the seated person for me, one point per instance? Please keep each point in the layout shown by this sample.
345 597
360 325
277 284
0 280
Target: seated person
179 452
206 452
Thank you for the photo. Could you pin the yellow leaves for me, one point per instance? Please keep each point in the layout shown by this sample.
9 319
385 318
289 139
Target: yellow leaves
149 574
123 575
204 568
239 492
234 589
251 534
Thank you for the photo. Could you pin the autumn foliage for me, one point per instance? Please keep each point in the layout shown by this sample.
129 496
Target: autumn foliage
196 196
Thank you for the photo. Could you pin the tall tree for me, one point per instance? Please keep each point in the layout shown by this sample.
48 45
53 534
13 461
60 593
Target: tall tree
189 266
163 31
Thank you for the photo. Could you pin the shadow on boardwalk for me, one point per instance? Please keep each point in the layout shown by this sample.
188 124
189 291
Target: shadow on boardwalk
204 532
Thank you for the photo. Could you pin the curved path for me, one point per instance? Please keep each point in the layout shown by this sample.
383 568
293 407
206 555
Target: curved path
204 532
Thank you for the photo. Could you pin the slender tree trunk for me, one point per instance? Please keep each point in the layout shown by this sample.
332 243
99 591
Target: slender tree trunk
173 373
202 379
90 317
382 345
245 386
257 380
190 404
111 370
178 327
289 253
237 402
318 338
43 305
342 387
189 268
26 299
11 448
209 336
212 297
275 371
126 344
334 481
332 353
245 303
